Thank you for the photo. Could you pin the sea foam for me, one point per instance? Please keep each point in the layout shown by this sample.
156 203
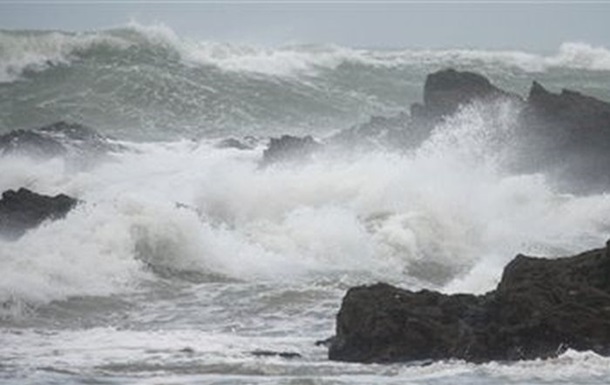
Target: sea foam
447 216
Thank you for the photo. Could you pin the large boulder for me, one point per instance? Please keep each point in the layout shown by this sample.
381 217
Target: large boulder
447 90
23 209
540 308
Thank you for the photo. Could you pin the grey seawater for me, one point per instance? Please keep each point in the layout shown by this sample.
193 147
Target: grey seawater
205 333
146 83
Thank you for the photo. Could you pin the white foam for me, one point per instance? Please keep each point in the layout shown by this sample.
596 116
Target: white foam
445 216
88 253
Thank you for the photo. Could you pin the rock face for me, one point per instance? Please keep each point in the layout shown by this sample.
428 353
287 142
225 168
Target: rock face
23 209
445 91
567 134
290 148
540 308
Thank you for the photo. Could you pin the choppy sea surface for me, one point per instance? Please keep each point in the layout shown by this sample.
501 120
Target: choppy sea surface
184 261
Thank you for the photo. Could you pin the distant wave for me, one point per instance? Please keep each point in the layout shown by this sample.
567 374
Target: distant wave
144 82
37 50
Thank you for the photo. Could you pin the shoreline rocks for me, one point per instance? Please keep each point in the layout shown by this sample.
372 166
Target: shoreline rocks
540 308
447 90
566 136
23 209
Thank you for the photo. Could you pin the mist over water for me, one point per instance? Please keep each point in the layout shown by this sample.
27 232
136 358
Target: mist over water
182 258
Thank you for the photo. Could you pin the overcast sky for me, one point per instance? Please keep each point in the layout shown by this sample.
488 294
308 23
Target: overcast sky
540 26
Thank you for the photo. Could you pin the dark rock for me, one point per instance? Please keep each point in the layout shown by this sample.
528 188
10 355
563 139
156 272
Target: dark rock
445 91
325 342
290 148
567 135
54 140
23 209
540 308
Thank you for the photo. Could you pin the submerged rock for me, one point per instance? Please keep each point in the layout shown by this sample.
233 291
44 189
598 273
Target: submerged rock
245 143
233 143
540 308
272 353
31 143
290 148
23 209
393 132
57 139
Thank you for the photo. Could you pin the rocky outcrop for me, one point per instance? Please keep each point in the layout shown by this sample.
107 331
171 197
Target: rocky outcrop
23 209
290 148
540 308
568 136
445 91
56 139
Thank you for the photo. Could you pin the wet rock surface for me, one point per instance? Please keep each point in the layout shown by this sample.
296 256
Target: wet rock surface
57 139
23 209
540 308
567 134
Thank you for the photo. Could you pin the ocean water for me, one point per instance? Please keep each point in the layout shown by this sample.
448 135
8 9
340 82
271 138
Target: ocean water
183 258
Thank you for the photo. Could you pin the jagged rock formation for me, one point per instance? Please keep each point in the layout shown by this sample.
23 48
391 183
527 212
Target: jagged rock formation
445 91
540 308
568 136
23 209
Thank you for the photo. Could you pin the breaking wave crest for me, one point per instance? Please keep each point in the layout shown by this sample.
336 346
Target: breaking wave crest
37 50
447 216
161 86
